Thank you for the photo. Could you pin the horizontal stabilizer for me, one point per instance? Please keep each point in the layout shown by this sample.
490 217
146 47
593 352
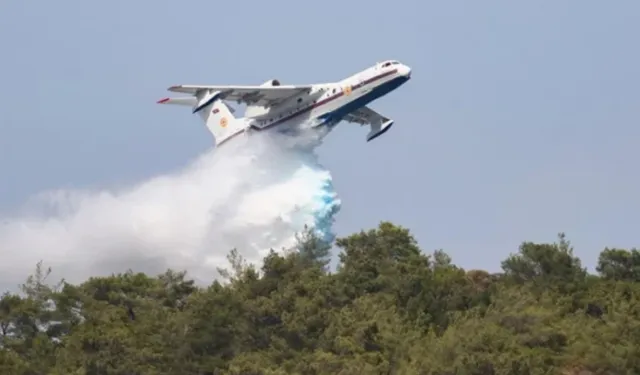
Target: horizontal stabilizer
185 100
205 98
189 101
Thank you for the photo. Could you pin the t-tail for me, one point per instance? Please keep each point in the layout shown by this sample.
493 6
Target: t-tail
217 116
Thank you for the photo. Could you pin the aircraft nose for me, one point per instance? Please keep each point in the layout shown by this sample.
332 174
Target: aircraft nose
405 71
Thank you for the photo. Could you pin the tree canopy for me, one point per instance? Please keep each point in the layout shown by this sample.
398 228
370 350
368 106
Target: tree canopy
389 308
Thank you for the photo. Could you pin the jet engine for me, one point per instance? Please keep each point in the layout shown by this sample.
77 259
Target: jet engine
271 82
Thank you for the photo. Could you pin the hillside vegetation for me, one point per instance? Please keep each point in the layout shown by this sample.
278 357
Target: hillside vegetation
390 308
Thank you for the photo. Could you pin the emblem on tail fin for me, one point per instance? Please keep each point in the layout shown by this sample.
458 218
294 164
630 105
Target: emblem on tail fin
223 122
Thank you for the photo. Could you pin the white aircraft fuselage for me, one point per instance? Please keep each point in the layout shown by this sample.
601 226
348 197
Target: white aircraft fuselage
292 109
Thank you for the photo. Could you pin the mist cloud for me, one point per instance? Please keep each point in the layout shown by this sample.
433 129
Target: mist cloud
252 195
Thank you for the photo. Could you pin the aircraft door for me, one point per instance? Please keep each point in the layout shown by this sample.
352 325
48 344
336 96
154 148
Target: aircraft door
361 84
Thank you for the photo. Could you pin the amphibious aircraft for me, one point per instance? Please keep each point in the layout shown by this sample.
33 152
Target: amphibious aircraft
292 109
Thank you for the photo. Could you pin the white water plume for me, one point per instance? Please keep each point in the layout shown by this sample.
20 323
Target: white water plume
252 195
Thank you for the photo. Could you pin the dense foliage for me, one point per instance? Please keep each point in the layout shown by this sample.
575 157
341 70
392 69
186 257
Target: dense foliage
388 309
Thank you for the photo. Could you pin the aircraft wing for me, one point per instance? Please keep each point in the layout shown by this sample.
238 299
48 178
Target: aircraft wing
378 123
265 96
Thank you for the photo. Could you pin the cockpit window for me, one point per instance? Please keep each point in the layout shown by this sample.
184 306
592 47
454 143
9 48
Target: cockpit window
389 63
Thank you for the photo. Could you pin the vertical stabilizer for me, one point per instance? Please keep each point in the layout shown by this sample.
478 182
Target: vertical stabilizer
217 116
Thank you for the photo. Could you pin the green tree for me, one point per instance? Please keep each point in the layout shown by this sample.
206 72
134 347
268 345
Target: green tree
546 265
390 308
313 250
619 264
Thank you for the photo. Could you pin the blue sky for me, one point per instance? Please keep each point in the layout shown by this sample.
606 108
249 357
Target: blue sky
520 121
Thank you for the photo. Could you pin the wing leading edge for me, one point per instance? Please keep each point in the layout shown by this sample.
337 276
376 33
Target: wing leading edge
265 96
378 123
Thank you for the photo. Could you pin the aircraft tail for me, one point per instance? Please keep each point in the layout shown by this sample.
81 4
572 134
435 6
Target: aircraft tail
217 116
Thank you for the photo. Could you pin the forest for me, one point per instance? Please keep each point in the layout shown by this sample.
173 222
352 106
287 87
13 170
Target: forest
389 307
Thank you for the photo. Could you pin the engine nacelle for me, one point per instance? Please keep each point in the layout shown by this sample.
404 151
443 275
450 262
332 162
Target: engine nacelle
259 111
271 82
